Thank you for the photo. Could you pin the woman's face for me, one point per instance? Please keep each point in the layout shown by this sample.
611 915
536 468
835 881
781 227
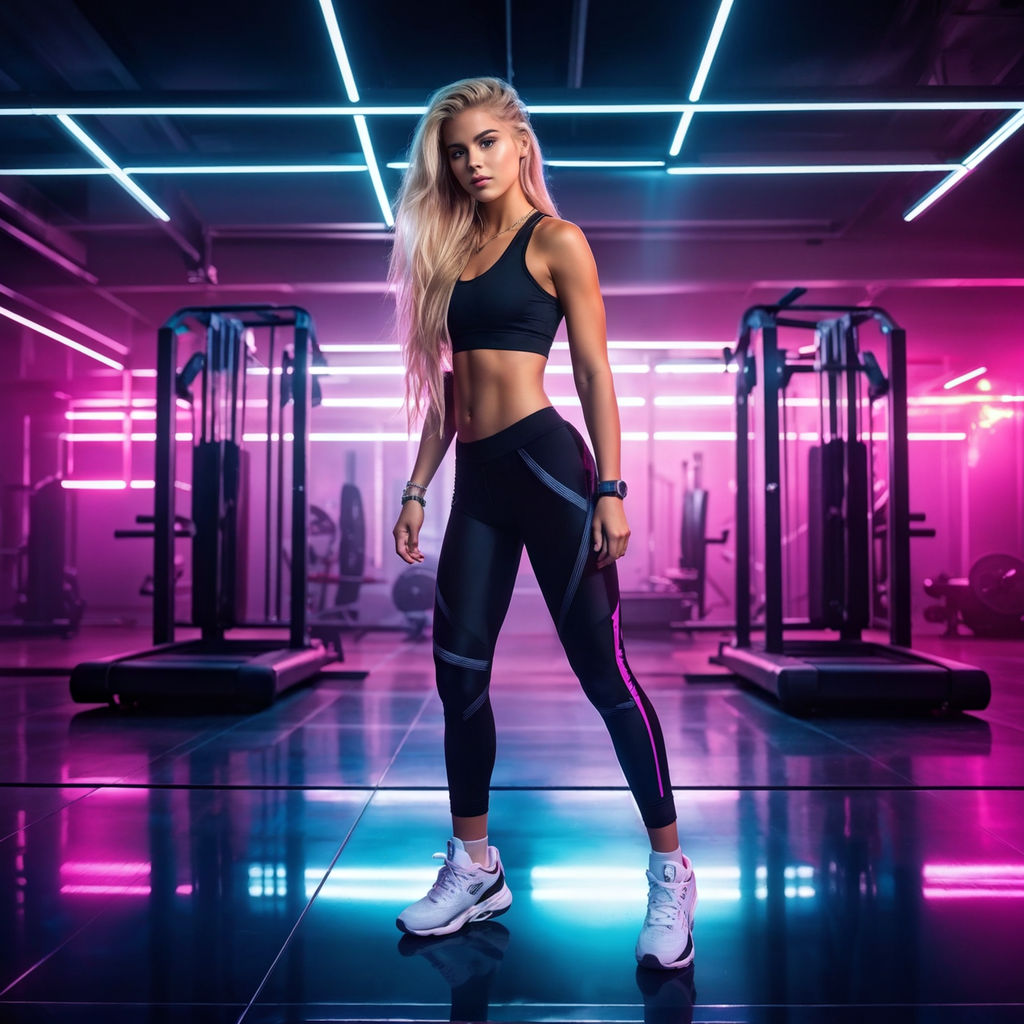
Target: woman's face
483 152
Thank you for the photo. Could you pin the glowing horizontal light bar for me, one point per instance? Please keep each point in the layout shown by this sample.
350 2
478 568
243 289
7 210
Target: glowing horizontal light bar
335 371
616 368
693 401
122 178
964 377
694 435
117 890
143 485
935 194
988 399
935 892
250 169
604 163
362 403
361 347
980 871
697 171
710 50
97 415
55 172
417 110
94 485
47 333
623 402
696 368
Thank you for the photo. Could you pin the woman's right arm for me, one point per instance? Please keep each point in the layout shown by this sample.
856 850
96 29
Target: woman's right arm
433 446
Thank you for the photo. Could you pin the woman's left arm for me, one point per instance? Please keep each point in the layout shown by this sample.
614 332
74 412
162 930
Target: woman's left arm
574 274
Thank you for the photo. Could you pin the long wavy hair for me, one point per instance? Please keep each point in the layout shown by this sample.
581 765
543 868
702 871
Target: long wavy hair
437 227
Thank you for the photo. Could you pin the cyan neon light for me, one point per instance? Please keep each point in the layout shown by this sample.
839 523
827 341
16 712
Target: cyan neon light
122 178
63 339
371 166
739 169
710 50
702 75
994 141
252 169
989 146
340 53
394 110
402 165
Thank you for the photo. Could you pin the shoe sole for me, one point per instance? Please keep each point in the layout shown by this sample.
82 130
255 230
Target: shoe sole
494 907
650 961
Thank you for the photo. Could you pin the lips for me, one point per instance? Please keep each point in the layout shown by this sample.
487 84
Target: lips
480 181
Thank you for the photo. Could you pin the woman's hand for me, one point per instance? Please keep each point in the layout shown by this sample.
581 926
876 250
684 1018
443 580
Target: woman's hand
610 530
407 532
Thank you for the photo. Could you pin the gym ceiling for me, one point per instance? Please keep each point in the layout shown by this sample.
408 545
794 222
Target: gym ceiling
152 151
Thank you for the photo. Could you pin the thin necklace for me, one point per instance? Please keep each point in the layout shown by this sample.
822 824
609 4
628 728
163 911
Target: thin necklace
515 224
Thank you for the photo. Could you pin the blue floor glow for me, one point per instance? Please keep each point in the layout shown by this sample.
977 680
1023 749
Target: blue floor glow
198 866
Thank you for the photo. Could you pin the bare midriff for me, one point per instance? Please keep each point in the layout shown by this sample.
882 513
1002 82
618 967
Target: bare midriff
494 389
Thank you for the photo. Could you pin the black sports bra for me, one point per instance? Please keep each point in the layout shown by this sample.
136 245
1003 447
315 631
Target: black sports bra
504 307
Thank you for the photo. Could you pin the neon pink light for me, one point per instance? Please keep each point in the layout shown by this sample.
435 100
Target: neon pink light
111 416
117 890
64 340
94 485
983 871
143 485
105 868
967 399
620 660
964 377
972 893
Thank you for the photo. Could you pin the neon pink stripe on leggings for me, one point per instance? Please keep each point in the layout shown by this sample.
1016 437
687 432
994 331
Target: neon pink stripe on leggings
624 672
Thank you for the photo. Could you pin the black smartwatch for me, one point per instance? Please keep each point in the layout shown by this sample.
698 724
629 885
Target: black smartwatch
612 489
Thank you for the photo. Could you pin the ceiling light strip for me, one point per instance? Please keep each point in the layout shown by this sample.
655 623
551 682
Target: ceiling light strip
702 74
739 169
340 53
63 339
979 371
252 169
371 166
123 180
394 110
970 162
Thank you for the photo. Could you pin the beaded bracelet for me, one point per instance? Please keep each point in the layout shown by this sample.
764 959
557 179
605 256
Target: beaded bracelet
419 487
414 497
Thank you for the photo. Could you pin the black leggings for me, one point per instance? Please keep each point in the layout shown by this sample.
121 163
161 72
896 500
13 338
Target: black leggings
532 484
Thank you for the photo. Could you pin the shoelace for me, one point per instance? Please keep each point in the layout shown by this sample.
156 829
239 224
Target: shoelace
447 884
663 905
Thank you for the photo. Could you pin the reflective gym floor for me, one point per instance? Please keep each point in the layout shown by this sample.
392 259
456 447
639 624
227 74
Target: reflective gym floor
194 866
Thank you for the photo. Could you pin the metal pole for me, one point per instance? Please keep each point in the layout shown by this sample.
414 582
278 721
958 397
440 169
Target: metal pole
899 492
772 497
300 460
163 490
743 499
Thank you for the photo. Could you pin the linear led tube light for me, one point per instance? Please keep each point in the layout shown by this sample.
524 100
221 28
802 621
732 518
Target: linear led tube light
401 165
340 53
394 110
710 50
371 166
251 169
702 74
122 178
965 377
46 332
990 145
697 171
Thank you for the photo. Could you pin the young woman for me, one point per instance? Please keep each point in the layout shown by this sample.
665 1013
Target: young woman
484 272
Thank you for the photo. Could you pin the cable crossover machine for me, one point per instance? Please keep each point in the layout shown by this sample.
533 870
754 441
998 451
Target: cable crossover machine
847 568
229 344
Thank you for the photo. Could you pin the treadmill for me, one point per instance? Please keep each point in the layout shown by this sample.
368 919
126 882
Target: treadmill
859 522
262 657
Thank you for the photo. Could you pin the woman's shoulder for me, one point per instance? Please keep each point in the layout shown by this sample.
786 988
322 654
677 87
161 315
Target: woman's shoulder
561 238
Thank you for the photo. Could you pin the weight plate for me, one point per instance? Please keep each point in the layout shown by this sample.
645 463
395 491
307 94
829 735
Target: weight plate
998 583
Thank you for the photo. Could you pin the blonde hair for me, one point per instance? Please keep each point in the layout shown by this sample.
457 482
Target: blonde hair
437 227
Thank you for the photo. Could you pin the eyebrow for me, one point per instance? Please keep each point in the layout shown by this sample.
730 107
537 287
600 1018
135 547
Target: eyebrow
476 138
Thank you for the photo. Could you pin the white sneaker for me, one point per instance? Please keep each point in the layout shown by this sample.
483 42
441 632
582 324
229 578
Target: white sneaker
463 892
665 941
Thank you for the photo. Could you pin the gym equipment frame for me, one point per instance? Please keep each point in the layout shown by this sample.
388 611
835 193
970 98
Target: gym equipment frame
247 670
848 671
